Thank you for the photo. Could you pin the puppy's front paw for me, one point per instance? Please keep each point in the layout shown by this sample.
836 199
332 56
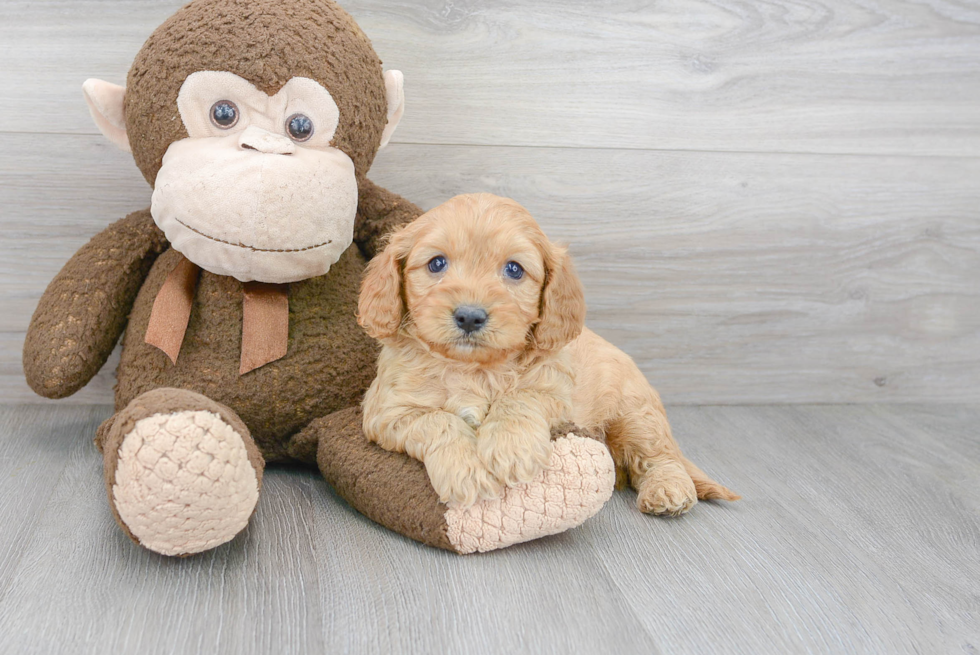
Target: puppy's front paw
514 453
670 495
459 476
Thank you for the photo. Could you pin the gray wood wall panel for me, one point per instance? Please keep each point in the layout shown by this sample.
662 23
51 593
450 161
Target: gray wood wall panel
686 152
730 277
814 76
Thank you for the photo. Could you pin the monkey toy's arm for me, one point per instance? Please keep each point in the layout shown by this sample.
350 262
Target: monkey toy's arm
84 310
379 211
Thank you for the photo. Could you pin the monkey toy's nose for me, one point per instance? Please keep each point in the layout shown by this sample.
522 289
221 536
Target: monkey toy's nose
470 319
255 138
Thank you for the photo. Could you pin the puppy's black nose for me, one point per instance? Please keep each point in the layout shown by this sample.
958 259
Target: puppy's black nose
470 319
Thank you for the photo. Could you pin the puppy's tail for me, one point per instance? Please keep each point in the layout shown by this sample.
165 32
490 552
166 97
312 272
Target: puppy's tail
707 488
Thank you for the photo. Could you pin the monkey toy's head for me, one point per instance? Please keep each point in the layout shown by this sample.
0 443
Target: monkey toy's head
254 121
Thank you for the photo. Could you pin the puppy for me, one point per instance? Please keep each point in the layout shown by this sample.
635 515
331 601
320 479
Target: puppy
484 350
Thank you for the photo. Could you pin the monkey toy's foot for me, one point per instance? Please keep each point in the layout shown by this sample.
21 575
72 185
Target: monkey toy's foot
394 490
574 485
181 470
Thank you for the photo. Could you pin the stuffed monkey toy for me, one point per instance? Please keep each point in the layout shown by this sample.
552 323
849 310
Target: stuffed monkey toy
255 122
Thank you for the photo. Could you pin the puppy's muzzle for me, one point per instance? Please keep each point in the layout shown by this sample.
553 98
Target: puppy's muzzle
470 319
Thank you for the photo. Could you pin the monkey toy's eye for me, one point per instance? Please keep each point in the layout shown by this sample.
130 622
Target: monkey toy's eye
300 127
438 264
513 270
224 114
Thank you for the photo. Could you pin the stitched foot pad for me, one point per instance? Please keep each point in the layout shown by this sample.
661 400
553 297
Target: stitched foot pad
573 487
183 482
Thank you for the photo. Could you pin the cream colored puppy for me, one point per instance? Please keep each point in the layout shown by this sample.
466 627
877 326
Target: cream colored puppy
484 350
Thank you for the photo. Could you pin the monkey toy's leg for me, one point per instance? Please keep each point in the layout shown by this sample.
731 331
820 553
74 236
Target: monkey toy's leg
394 490
181 471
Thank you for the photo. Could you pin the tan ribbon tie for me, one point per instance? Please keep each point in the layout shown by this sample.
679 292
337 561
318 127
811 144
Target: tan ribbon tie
265 324
172 309
265 317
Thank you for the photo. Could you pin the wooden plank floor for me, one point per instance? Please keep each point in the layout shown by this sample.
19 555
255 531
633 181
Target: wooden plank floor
859 533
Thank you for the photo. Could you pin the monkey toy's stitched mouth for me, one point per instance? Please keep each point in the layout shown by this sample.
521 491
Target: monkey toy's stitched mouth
252 248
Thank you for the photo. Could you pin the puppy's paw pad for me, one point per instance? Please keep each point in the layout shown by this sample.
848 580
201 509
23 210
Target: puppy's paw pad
666 497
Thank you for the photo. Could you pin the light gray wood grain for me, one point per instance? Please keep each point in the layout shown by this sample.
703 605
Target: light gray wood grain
855 514
859 533
34 450
729 277
814 76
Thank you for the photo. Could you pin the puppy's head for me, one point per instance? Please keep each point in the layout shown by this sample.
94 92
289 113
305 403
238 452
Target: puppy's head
476 280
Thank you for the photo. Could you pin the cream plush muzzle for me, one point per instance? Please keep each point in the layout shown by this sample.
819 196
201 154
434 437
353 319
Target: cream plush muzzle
252 214
246 200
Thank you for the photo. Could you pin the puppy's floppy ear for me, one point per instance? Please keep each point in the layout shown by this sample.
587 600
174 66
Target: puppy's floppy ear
380 307
562 303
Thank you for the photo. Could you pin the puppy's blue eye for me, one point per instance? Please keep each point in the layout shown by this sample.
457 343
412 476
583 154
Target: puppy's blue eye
513 270
438 264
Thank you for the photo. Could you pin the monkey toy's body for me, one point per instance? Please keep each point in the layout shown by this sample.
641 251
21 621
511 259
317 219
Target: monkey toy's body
256 122
330 361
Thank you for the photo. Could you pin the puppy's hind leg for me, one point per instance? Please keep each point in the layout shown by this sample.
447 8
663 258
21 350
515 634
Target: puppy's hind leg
641 443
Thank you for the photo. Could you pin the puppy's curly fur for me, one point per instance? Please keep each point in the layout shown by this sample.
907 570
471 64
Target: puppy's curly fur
477 406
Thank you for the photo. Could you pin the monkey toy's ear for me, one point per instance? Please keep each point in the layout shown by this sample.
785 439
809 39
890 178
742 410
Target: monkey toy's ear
395 95
105 101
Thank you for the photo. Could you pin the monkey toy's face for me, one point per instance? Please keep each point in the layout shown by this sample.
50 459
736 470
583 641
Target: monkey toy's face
254 132
256 190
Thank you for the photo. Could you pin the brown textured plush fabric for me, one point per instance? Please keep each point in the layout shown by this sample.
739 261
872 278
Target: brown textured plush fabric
247 38
329 361
163 401
388 488
379 211
83 311
563 429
